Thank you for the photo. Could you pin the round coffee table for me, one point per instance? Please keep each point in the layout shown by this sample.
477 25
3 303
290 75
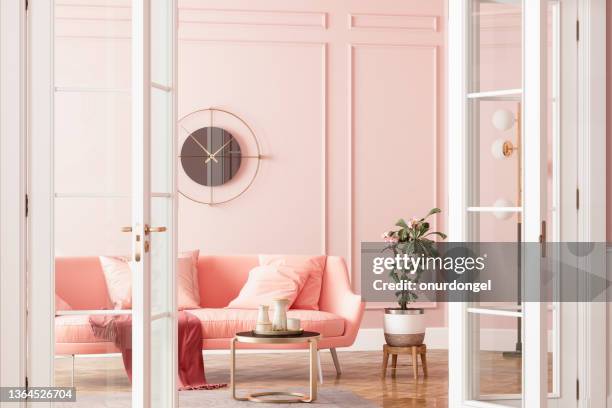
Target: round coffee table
312 338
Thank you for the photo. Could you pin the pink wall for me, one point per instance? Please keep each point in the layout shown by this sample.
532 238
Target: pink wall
347 101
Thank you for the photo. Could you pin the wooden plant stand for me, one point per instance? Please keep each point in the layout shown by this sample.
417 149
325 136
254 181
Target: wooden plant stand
415 351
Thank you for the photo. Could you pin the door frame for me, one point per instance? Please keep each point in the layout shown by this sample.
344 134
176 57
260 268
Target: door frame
591 185
13 131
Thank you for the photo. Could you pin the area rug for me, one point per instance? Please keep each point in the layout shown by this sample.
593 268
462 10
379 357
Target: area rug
330 398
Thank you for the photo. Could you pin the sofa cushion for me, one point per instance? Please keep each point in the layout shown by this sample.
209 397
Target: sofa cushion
268 282
313 266
225 323
74 329
61 304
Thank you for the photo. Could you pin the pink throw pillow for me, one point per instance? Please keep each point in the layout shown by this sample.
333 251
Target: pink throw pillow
118 276
268 282
186 285
313 266
194 255
61 304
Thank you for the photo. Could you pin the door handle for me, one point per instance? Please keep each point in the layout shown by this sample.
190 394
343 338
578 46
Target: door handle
146 230
154 229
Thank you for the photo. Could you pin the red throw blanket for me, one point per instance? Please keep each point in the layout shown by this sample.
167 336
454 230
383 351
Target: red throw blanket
118 329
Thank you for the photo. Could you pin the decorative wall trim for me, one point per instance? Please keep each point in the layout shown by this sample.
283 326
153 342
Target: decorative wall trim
275 18
410 22
351 135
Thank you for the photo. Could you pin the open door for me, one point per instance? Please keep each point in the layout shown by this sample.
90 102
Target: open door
503 132
153 229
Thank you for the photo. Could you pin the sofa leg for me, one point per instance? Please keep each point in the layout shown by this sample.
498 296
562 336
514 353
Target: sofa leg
336 361
72 373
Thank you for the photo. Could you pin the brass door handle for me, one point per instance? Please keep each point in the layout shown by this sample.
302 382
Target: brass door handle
147 229
154 229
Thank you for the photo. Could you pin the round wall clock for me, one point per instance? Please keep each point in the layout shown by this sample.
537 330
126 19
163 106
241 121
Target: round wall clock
219 156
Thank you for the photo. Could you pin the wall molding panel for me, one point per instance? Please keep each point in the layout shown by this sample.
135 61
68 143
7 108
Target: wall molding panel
236 17
393 21
353 239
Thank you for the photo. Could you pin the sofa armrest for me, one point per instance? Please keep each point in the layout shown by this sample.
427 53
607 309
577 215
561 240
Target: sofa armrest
338 298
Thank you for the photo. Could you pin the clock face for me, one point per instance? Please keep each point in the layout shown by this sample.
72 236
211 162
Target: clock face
211 156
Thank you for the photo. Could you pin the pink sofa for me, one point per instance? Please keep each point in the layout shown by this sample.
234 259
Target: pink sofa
80 282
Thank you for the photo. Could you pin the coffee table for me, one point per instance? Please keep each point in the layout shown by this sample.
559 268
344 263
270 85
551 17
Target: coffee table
312 338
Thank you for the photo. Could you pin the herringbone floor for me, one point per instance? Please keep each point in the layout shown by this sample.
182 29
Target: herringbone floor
361 375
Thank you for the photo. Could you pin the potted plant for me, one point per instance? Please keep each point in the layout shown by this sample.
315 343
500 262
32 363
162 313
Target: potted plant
403 325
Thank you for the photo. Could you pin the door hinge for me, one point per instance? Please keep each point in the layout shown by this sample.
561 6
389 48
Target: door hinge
577 390
577 198
577 30
27 205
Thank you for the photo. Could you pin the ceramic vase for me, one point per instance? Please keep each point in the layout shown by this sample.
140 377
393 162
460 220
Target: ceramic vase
280 314
263 316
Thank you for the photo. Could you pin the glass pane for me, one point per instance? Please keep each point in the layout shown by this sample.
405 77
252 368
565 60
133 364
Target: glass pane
497 366
161 362
92 159
161 141
161 42
162 258
496 45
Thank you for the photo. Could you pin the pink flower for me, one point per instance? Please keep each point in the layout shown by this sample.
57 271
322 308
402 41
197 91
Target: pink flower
389 238
414 222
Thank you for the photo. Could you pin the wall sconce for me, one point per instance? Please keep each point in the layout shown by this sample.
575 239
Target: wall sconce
503 120
501 149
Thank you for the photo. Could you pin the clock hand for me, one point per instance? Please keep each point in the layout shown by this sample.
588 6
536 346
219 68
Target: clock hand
218 150
210 156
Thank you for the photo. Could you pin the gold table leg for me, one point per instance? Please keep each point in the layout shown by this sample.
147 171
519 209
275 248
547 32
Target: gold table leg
256 397
233 372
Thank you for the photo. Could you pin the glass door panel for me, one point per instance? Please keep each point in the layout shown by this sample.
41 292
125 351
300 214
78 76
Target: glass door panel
496 46
92 159
499 168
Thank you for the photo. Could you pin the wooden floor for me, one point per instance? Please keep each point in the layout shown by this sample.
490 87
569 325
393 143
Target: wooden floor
361 374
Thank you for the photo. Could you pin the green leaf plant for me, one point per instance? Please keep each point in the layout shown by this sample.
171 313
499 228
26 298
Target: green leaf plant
413 239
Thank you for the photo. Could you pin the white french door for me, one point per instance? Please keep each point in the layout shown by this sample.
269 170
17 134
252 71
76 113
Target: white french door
503 132
154 203
102 174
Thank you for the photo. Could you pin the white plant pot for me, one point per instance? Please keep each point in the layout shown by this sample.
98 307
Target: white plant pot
404 327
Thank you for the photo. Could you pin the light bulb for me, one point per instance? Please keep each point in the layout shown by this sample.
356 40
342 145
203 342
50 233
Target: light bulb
503 119
497 149
502 215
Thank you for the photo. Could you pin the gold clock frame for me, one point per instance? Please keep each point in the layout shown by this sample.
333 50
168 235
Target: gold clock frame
258 156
